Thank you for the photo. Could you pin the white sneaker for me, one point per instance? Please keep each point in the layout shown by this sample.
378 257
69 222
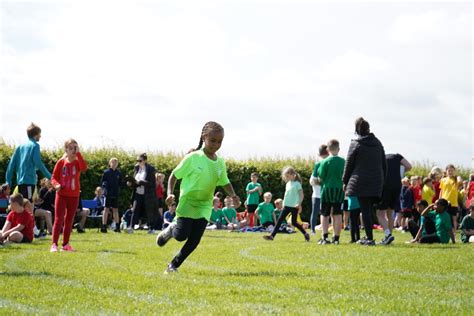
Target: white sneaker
165 235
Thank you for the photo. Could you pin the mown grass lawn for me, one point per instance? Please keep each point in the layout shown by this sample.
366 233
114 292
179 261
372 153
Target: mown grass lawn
236 273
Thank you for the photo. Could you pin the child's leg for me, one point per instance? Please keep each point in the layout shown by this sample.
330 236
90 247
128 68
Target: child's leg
105 216
413 228
383 220
390 220
354 224
72 203
337 219
15 237
192 230
430 239
60 211
280 220
116 216
294 217
315 213
84 213
346 218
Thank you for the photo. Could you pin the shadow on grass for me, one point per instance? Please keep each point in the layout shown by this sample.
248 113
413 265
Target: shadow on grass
264 274
25 273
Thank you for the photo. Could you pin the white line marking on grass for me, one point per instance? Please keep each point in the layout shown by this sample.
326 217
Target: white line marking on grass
4 303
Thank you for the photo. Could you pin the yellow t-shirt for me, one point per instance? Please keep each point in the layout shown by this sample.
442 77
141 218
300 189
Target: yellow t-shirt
427 194
449 190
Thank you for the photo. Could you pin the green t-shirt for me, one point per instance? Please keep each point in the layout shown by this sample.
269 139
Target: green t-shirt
277 215
292 193
443 226
230 213
330 172
265 212
216 215
316 168
467 223
200 176
254 197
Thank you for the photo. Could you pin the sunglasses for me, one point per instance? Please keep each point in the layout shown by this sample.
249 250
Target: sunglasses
139 160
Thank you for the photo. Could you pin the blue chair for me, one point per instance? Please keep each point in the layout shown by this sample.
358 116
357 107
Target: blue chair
92 204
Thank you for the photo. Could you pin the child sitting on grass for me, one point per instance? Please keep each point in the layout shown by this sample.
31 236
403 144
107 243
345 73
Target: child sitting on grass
266 211
442 223
229 215
467 226
19 225
169 215
215 221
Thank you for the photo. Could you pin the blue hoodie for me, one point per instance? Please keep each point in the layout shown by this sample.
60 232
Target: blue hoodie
25 161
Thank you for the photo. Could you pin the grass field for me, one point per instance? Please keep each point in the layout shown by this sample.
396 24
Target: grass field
236 273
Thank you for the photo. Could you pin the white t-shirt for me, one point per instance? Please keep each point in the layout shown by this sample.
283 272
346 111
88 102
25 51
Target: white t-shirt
316 188
140 176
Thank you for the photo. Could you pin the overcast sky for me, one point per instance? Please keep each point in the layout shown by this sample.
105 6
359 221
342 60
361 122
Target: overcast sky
282 78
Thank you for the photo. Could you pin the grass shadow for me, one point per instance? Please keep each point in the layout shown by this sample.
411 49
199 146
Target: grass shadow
25 273
263 274
122 252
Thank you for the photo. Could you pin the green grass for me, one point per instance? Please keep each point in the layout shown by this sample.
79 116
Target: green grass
236 273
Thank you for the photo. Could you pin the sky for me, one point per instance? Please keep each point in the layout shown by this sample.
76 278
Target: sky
282 77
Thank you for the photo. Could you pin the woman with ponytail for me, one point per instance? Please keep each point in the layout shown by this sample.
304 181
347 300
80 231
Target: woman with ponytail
200 171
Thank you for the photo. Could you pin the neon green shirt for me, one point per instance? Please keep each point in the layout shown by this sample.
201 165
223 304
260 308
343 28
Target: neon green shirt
292 193
230 213
254 197
200 176
265 211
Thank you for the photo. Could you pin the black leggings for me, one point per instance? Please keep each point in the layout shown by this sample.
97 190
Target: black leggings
294 214
355 230
191 230
367 207
429 226
430 239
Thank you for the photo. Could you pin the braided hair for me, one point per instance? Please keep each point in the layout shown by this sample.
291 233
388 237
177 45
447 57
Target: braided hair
206 130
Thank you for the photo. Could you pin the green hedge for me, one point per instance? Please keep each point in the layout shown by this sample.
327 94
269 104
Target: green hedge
238 171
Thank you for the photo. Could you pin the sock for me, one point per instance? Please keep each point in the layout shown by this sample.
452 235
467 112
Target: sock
336 238
387 232
325 236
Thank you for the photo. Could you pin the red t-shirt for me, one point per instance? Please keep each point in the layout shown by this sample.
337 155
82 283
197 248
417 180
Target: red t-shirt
24 218
160 191
68 174
416 190
437 187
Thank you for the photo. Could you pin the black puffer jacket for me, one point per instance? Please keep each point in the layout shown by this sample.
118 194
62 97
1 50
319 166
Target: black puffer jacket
366 167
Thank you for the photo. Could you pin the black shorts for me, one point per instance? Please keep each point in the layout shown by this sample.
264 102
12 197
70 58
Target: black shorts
25 240
161 203
453 210
111 202
27 190
251 208
407 213
326 208
390 199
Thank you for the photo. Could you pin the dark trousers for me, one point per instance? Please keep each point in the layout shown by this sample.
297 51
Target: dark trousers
316 207
430 227
191 230
138 209
355 230
27 191
294 214
367 208
430 239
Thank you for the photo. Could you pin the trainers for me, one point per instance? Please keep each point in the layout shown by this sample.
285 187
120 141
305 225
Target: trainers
268 237
103 229
387 240
80 230
54 248
335 242
67 248
171 269
165 235
117 229
306 237
323 241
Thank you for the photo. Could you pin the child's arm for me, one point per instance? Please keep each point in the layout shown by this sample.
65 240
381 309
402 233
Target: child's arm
427 210
81 161
229 189
39 163
17 228
418 234
274 218
57 175
301 199
170 198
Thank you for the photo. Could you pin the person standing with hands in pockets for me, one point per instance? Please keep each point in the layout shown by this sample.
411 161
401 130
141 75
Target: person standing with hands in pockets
201 171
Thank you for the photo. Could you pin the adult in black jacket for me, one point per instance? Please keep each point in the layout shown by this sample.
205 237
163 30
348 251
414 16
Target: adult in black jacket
144 194
364 173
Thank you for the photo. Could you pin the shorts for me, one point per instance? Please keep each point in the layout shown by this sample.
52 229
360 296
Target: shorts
345 206
251 208
326 209
160 203
390 199
407 213
25 240
111 202
27 190
453 210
